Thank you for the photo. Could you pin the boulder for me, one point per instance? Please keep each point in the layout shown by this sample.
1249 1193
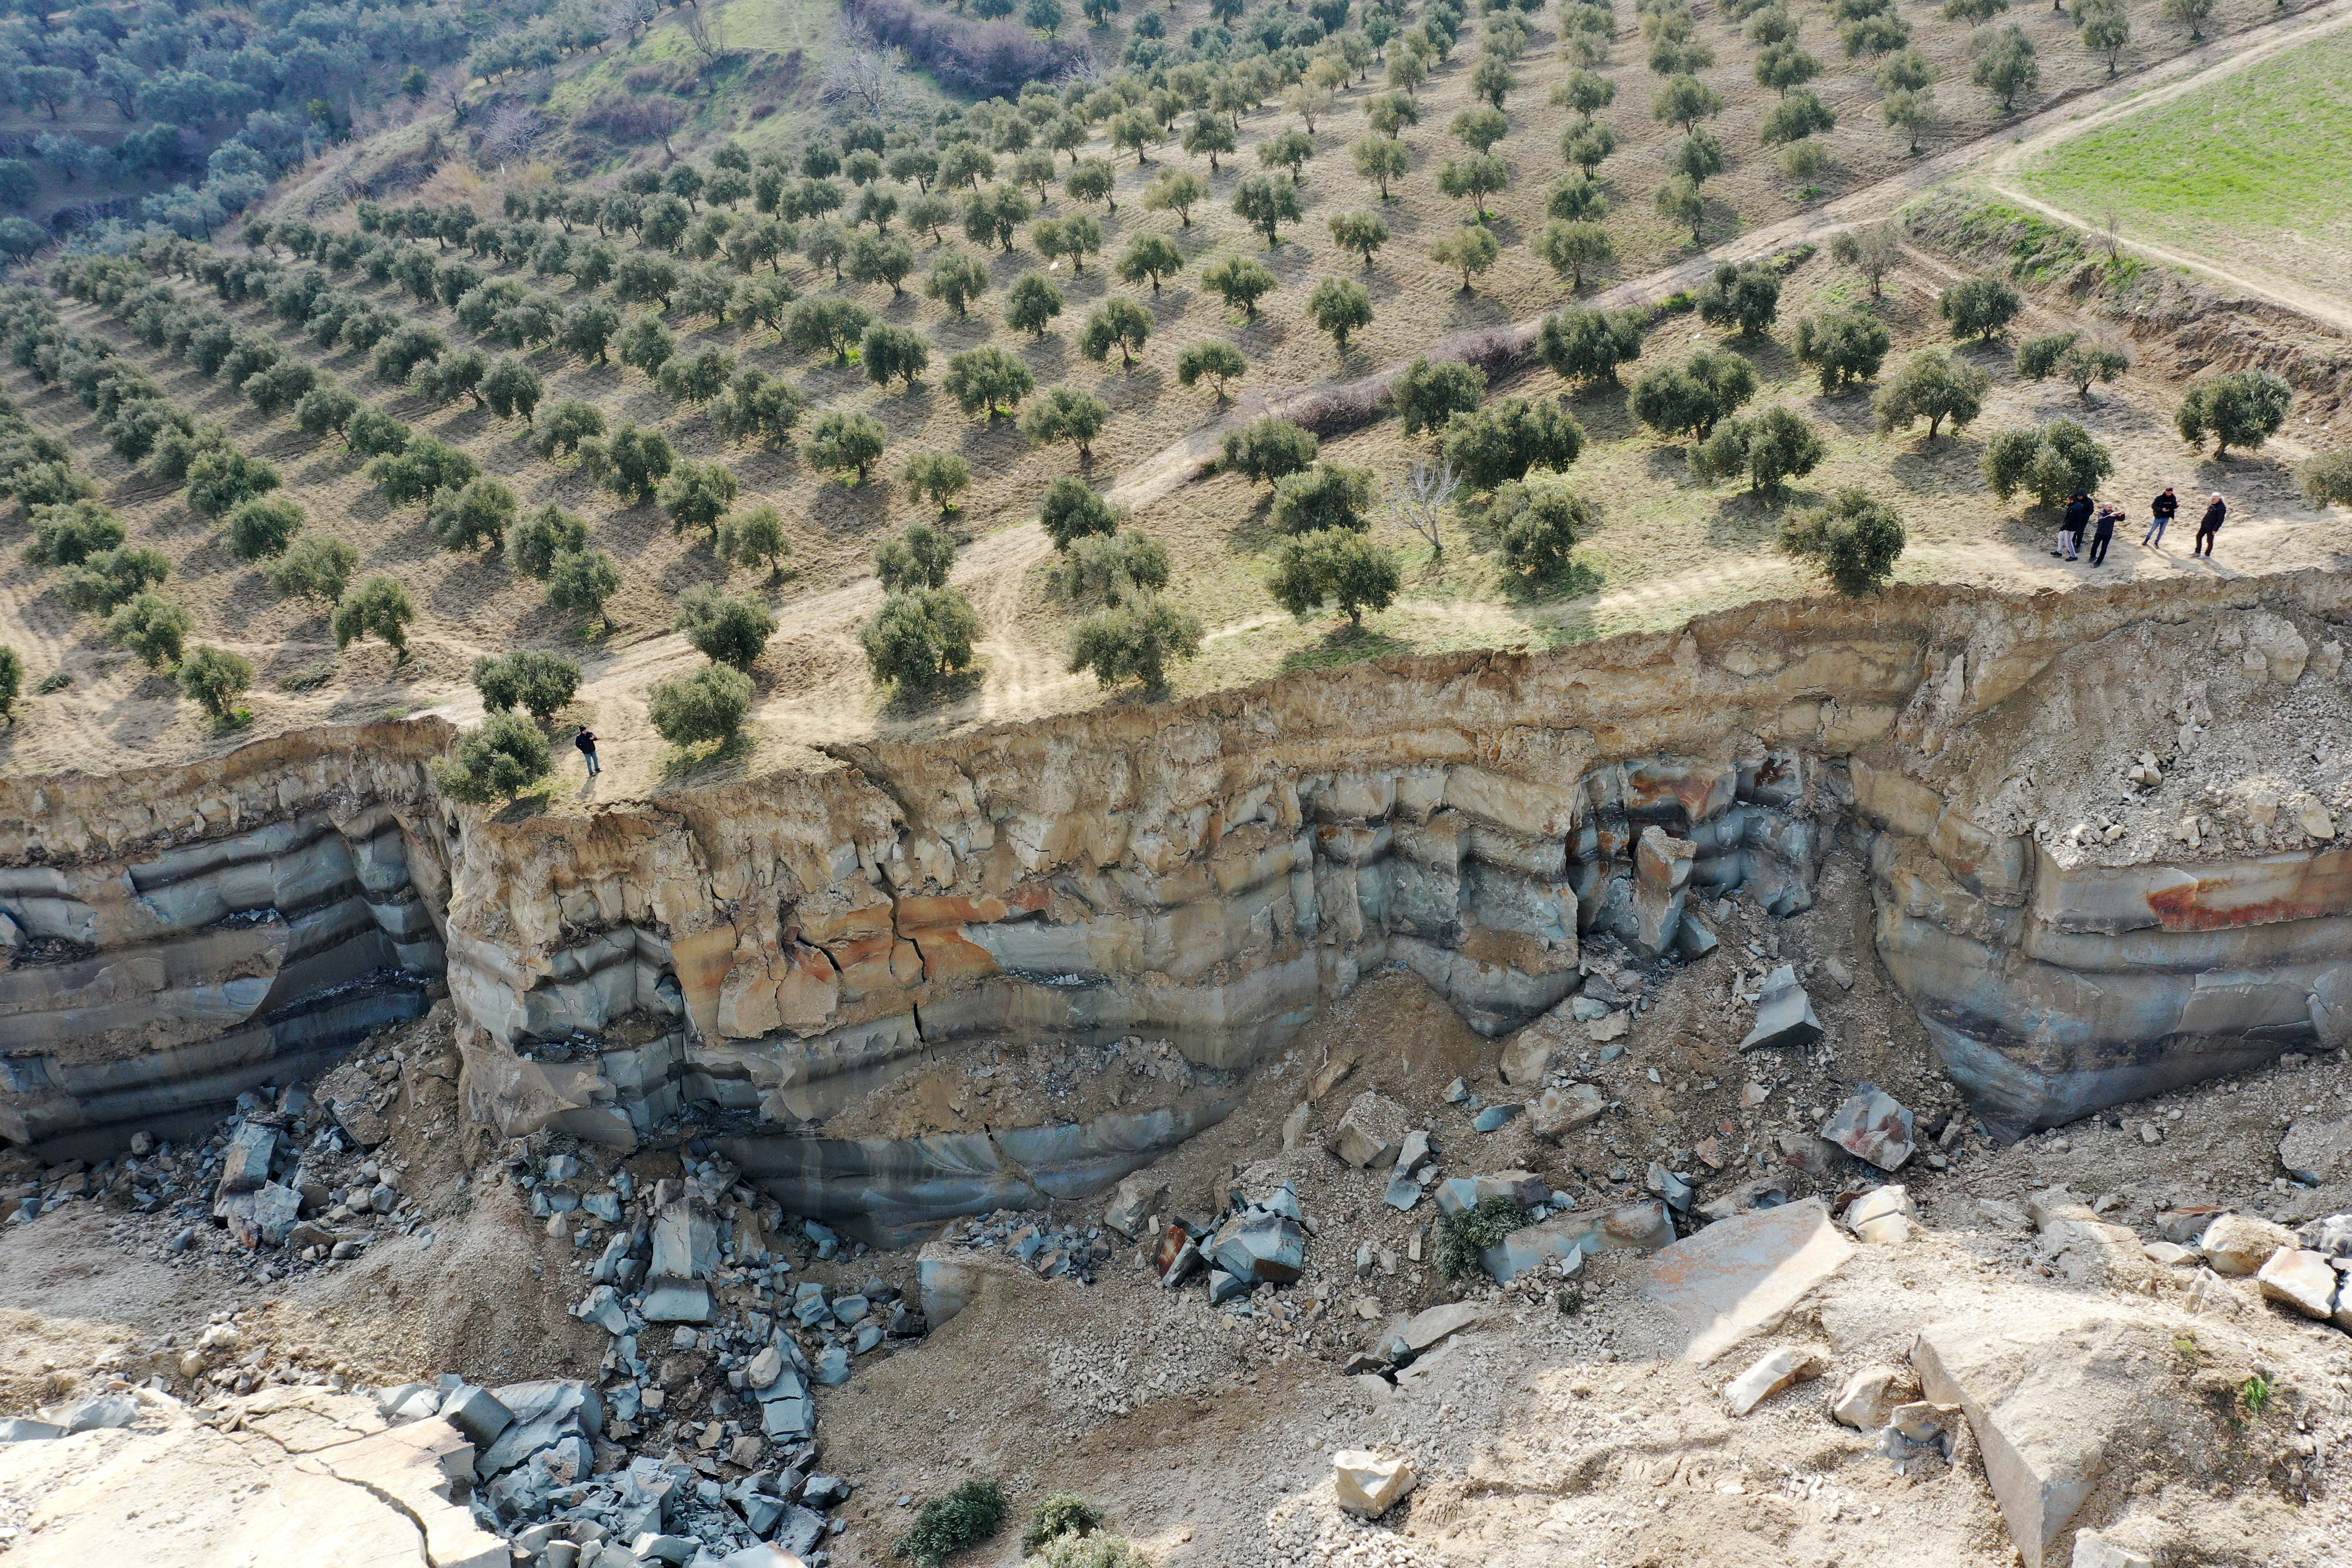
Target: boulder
1458 1193
1884 1216
1556 1112
1527 1059
264 1216
103 1413
1370 1132
685 1243
1133 1203
1261 1248
1367 1485
245 1163
1865 1399
2240 1244
2316 1151
1415 1152
19 1429
1744 1275
1784 1014
1641 1226
1769 1376
1427 1329
2046 1391
2300 1278
676 1301
1872 1125
478 1414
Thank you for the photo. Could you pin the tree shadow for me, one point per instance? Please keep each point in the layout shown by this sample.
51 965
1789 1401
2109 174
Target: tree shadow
1344 645
908 702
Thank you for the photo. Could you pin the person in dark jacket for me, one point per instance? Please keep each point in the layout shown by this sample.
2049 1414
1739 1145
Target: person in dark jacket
586 742
2160 513
2208 525
2103 533
2070 530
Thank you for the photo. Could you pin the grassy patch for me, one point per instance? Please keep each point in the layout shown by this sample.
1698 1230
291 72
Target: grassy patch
2229 170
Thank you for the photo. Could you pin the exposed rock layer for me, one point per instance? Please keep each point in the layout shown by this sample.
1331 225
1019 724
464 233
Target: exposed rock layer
1211 872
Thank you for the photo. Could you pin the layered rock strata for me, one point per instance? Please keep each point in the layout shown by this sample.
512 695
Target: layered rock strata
1212 872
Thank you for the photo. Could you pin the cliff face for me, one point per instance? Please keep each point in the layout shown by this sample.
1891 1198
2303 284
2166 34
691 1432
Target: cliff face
1215 871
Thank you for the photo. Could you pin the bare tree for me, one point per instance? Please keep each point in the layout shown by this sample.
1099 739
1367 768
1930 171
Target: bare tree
1419 500
704 29
629 18
512 128
865 74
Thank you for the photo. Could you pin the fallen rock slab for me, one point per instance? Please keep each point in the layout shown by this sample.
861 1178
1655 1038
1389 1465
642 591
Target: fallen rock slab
1864 1400
1775 1372
1884 1217
2047 1393
2301 1279
1556 1112
1367 1485
1784 1014
1644 1227
1741 1275
1370 1132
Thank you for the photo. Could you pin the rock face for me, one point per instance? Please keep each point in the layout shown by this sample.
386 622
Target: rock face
1210 872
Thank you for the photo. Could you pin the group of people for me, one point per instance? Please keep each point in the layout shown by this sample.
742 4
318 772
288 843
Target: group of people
2100 519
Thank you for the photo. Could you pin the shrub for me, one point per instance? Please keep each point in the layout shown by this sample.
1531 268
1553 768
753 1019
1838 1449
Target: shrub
941 476
473 518
1747 296
1460 1237
1690 399
1932 386
581 580
708 705
1134 640
1491 446
216 679
1845 346
845 443
70 532
2243 408
497 762
1536 523
314 568
1979 306
1771 449
2049 462
2327 479
421 469
152 627
1214 360
1031 304
696 495
221 480
1070 510
538 683
1240 282
987 381
381 609
1853 541
1060 1514
1099 1551
1267 449
262 529
635 462
919 637
113 576
1428 395
1113 567
723 627
1065 414
921 557
372 433
1335 566
12 681
947 1525
540 537
758 535
1589 346
2069 357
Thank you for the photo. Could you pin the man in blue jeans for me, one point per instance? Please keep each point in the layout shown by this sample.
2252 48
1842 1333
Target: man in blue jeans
586 742
2103 534
2161 512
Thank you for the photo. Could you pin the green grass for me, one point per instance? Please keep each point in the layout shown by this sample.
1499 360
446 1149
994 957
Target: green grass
2249 169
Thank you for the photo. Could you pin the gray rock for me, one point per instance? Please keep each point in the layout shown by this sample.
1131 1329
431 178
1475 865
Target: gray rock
685 1243
675 1302
1457 1092
264 1216
1402 1192
1224 1287
1784 1014
1456 1193
546 1413
1872 1125
1494 1118
848 1310
1415 1152
676 1550
906 1322
408 1402
478 1414
104 1412
244 1164
1642 1227
798 1531
1556 1112
605 1206
17 1429
1133 1203
1261 1248
383 1197
867 1338
825 1492
833 1366
1665 1183
1370 1132
602 1307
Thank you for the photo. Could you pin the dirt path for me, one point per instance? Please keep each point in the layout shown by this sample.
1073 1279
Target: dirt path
827 698
2293 33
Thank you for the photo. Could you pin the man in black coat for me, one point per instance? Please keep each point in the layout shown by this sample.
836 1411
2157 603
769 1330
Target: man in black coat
2161 512
2069 531
2208 525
